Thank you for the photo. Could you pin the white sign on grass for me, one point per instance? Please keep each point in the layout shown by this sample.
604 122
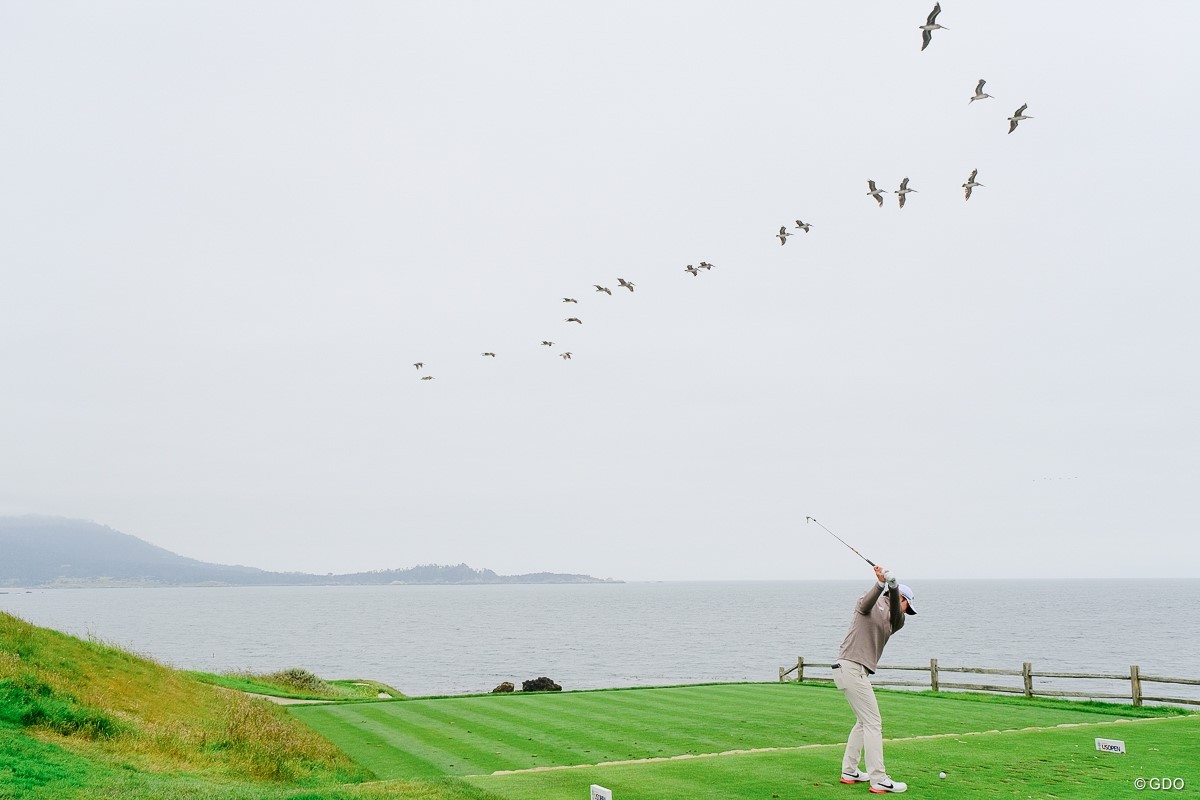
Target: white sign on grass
1110 745
600 793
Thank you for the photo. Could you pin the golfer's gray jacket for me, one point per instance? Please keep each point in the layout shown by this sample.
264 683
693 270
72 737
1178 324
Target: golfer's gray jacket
876 618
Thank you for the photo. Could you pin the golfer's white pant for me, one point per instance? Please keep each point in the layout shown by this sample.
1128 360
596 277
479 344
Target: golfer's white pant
855 682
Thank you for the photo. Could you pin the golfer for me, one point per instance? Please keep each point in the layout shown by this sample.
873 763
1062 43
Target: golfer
877 616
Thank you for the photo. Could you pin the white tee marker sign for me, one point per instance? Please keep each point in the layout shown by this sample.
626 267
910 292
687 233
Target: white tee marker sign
1110 745
600 793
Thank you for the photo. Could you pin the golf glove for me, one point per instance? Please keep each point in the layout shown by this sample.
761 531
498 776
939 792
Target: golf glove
890 579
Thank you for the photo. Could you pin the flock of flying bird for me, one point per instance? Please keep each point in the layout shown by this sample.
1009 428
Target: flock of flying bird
1018 116
927 30
567 354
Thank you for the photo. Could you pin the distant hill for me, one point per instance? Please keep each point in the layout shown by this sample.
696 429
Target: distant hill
40 551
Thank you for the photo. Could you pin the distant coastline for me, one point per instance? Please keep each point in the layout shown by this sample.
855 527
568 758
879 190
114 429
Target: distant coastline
54 552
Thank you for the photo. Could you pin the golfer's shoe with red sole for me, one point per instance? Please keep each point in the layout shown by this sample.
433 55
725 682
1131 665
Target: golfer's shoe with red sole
854 777
888 786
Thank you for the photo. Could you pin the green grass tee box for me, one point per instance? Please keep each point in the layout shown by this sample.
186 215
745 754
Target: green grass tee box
1054 763
479 735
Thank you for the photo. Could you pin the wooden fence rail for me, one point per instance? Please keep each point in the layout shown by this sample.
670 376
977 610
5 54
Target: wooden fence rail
1135 677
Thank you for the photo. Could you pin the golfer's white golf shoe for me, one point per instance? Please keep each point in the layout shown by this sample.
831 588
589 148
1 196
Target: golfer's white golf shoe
889 785
854 777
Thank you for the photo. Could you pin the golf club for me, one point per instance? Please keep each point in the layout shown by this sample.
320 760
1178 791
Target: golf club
843 541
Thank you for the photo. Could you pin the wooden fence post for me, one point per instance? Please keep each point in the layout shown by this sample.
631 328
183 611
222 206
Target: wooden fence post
800 669
781 671
933 674
1027 676
1135 684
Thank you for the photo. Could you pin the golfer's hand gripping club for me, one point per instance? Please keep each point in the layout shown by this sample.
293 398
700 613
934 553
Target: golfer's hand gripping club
886 577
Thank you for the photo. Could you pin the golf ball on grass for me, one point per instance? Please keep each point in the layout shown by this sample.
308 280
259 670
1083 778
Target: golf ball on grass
941 774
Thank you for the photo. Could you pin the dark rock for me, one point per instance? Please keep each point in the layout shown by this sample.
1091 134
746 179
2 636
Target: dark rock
504 687
540 685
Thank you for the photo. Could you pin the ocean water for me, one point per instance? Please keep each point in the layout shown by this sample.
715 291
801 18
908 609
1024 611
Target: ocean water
459 639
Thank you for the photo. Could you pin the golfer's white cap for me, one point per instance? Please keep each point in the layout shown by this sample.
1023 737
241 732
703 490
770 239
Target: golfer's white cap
907 593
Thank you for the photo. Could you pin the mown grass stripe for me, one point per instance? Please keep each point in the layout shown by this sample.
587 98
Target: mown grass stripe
543 748
538 727
394 751
648 734
457 755
694 726
600 715
714 706
642 716
365 728
518 732
389 752
709 709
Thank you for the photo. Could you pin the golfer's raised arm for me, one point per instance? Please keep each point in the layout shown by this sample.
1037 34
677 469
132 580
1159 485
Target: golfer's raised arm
868 600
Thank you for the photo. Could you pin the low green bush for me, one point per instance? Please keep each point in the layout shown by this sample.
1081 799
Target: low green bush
298 679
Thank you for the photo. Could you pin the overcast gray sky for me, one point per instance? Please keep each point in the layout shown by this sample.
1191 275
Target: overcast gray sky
228 229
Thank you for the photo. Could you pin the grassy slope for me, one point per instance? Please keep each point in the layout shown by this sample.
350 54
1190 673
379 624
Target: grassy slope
32 769
481 734
83 720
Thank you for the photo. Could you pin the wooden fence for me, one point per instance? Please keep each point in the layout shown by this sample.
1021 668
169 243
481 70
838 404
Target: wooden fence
1026 673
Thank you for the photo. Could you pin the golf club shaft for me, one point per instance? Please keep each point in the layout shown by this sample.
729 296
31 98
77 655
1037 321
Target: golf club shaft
843 541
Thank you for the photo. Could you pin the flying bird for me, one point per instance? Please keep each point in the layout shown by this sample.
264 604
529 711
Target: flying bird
600 288
625 283
493 355
970 184
419 364
930 26
570 300
1017 116
427 378
706 265
783 234
979 93
566 356
691 269
547 344
803 226
878 195
903 190
574 319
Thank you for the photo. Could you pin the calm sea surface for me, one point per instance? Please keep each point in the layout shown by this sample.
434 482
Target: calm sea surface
457 639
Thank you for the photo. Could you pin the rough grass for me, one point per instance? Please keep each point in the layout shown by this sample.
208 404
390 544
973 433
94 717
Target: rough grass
31 769
298 684
87 700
